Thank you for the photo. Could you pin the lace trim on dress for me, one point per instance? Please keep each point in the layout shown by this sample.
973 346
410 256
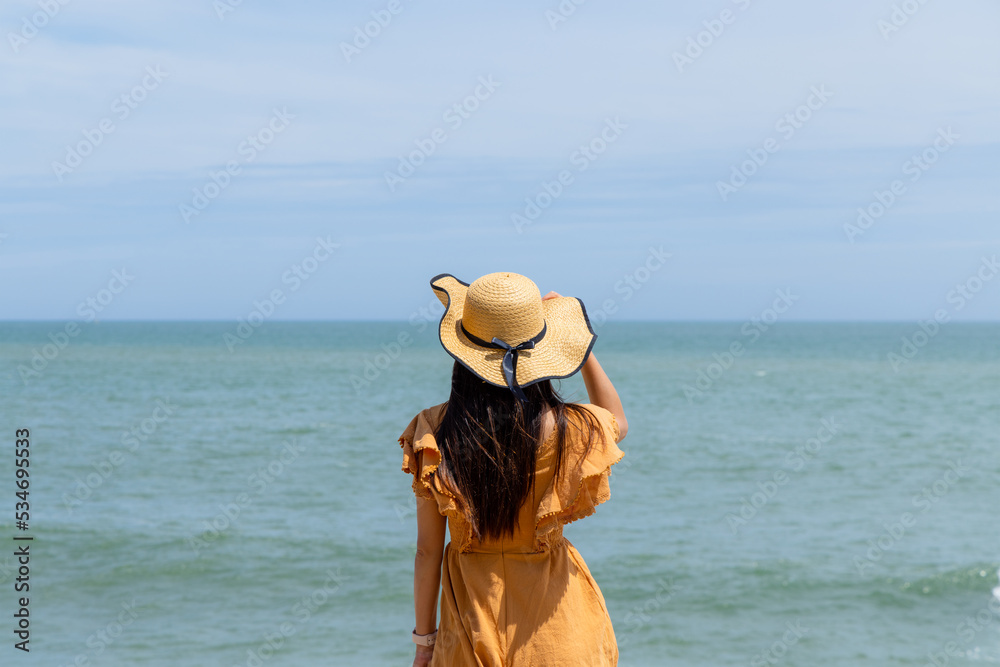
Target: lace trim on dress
578 492
421 458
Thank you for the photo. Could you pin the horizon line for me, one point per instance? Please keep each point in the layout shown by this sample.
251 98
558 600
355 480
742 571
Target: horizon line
405 321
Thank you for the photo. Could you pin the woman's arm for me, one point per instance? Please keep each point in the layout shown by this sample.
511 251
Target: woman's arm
603 393
599 388
431 527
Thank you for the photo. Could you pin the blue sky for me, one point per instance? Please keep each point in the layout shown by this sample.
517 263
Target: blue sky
309 134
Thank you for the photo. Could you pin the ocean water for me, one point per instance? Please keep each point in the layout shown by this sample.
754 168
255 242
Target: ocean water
803 502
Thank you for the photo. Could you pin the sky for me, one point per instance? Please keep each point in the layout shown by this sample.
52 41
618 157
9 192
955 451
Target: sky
679 161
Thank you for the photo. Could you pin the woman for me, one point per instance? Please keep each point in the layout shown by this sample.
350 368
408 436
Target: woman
504 464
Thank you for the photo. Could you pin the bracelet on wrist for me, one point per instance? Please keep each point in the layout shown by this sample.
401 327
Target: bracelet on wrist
424 640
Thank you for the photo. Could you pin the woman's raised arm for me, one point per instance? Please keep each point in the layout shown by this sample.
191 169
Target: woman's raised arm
600 390
603 393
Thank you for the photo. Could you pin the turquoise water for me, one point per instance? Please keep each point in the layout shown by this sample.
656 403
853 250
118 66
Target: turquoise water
812 505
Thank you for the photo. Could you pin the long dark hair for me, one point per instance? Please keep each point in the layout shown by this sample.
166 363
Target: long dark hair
489 443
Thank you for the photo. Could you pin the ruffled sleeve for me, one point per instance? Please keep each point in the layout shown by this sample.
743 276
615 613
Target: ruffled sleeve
582 485
421 458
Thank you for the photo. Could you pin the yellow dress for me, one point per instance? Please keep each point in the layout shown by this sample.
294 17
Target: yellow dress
530 600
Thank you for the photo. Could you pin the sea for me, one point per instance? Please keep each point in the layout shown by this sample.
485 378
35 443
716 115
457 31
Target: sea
216 493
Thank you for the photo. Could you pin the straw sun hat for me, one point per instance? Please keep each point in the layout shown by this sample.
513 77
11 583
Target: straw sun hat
500 329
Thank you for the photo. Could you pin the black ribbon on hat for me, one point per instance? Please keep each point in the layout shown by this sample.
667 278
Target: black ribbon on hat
510 356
